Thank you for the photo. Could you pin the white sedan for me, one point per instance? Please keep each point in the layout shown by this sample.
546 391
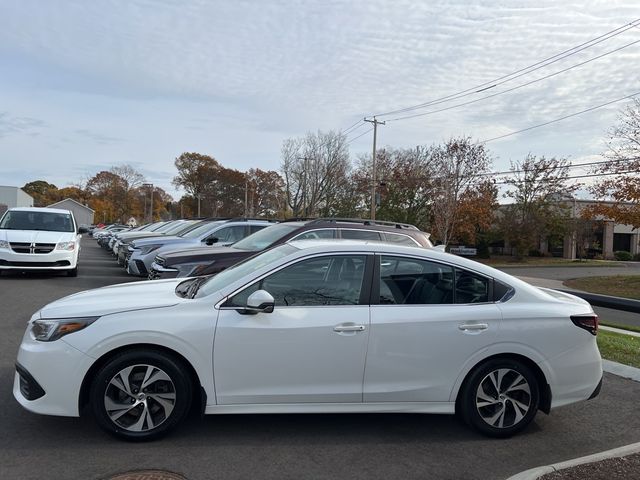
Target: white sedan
313 326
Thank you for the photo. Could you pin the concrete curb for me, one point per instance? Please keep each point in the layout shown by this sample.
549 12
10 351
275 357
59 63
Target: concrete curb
619 330
632 373
534 473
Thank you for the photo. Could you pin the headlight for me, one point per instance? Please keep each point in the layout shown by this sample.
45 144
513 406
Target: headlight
48 330
66 246
4 244
149 248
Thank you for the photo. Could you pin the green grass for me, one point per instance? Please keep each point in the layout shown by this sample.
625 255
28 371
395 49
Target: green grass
633 328
503 261
619 348
627 286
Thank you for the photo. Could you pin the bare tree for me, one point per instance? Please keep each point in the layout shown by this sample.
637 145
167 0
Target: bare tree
315 169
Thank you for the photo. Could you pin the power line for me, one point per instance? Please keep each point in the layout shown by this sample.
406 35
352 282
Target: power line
346 130
362 124
580 176
522 85
523 71
362 134
561 118
558 167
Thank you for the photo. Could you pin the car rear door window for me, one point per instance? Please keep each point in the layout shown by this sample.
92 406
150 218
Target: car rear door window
360 235
409 281
316 234
471 287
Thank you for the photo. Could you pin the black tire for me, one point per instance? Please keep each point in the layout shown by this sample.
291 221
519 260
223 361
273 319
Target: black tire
147 419
73 272
500 413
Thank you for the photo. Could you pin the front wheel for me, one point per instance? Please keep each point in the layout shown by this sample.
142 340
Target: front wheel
141 395
73 272
500 398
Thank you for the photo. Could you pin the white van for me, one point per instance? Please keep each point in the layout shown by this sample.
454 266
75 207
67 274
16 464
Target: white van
39 239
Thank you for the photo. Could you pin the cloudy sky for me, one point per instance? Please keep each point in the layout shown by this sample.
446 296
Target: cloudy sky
88 85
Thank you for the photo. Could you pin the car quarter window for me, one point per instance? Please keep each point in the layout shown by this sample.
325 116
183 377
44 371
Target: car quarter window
401 239
316 234
360 234
327 280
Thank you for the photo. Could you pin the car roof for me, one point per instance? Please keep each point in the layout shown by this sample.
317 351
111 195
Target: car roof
39 209
312 247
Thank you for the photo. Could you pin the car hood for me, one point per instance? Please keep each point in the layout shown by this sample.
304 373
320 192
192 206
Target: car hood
36 236
142 241
114 299
200 254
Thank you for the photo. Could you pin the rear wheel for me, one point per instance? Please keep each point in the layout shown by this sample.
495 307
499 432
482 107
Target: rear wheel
500 397
141 395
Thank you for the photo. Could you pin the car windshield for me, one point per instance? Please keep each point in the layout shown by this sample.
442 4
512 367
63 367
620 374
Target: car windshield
201 230
181 227
31 220
265 238
250 265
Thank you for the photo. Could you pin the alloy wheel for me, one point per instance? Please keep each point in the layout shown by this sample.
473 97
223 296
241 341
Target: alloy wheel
139 398
503 398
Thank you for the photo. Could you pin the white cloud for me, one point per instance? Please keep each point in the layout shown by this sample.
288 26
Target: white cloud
145 80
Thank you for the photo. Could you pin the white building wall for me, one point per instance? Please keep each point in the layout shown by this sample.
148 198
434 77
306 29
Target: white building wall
82 214
14 197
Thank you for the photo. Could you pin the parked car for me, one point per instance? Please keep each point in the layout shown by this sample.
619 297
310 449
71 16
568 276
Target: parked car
39 239
142 252
313 327
203 261
97 233
176 227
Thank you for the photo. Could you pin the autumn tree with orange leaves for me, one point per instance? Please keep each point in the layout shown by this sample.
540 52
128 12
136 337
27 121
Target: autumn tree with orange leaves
620 181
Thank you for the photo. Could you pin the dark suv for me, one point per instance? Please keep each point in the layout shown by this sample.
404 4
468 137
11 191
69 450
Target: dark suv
206 261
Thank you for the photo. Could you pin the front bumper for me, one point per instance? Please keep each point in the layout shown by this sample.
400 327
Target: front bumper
158 272
57 369
55 260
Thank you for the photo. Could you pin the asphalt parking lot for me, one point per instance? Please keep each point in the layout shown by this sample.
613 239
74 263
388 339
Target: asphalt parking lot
282 446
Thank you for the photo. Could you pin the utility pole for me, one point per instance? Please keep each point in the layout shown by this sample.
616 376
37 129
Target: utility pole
375 123
246 211
304 186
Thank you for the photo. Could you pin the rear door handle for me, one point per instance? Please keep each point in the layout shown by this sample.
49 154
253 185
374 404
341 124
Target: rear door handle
348 328
473 326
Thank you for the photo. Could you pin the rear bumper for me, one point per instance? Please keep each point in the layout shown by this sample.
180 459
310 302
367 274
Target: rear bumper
596 392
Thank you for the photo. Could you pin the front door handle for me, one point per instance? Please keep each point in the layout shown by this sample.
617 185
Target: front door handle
473 326
348 328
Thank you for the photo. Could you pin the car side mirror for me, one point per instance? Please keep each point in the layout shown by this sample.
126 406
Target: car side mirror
83 229
260 301
211 240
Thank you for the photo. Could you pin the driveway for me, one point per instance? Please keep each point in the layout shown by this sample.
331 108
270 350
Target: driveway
283 446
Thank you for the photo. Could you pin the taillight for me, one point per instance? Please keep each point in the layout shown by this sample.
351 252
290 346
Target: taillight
588 322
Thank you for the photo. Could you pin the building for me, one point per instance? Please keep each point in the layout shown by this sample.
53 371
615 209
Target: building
596 238
83 214
12 197
604 236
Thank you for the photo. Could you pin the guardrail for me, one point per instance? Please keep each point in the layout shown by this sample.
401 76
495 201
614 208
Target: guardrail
605 301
